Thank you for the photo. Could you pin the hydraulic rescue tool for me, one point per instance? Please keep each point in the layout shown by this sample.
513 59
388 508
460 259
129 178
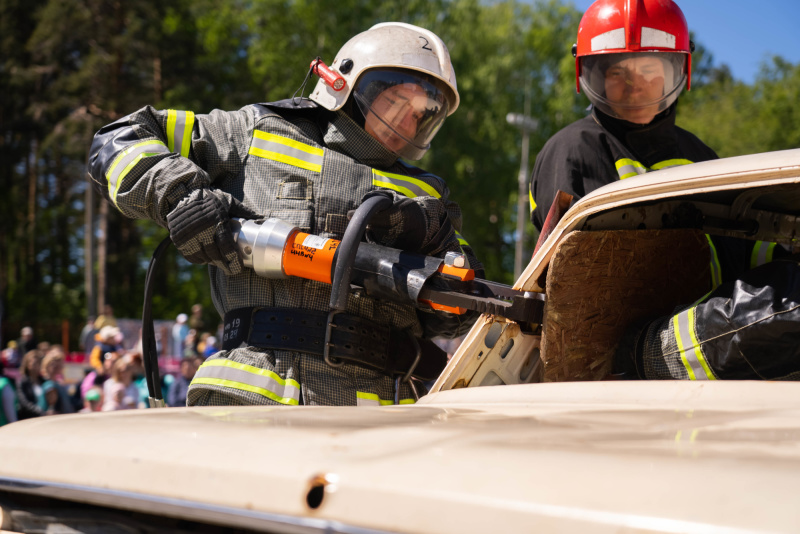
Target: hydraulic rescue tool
276 249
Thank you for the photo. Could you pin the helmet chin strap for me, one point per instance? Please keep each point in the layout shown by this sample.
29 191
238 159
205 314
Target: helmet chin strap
302 88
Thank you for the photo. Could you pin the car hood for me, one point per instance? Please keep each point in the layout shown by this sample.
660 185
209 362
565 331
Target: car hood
589 457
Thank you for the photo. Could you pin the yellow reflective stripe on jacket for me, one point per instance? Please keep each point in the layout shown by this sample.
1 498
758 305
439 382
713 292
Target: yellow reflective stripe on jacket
627 167
371 399
716 270
179 131
127 160
406 185
461 240
235 375
762 253
530 199
284 150
691 352
670 163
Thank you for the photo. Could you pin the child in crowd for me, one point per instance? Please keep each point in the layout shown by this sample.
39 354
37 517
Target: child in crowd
49 400
92 401
119 391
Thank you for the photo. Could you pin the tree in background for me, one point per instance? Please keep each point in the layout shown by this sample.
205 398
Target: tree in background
735 118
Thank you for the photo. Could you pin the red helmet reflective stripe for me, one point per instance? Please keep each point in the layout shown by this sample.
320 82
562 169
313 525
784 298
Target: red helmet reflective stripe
617 26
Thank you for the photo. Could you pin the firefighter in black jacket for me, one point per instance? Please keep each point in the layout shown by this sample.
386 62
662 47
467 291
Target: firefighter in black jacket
633 59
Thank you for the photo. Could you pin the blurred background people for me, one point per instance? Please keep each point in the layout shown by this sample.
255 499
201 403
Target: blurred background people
179 332
86 339
107 342
95 378
8 400
29 385
53 370
210 347
176 396
92 401
11 356
106 318
49 400
26 340
119 391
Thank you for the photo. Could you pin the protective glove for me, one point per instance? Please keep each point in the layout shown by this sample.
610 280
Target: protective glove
198 225
402 226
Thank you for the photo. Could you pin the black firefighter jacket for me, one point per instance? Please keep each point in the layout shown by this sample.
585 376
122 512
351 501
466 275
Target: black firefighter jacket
748 326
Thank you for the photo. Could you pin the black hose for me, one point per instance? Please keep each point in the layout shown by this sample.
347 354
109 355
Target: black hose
346 253
149 348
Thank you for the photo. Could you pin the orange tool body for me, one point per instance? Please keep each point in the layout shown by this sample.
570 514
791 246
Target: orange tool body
275 249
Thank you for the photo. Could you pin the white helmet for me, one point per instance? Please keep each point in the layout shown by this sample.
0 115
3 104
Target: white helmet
394 55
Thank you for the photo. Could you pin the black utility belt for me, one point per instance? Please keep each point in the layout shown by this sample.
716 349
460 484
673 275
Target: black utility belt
336 337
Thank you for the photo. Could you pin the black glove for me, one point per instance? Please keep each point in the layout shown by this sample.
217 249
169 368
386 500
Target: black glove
198 225
403 226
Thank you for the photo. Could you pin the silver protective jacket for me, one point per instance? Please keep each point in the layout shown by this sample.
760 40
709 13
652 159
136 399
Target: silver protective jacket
304 165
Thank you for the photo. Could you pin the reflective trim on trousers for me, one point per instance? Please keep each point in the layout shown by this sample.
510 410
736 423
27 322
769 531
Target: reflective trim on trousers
690 350
235 375
406 185
284 150
762 253
179 131
371 399
127 160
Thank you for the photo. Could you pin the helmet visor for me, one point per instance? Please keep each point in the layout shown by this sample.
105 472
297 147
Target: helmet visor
633 86
402 109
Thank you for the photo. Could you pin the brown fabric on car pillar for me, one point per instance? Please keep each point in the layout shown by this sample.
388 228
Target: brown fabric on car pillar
601 282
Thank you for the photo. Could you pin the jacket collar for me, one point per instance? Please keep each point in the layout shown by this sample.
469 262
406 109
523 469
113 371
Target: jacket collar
651 142
344 135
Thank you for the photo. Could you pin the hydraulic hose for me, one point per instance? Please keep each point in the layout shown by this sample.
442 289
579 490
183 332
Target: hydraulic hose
342 276
346 255
149 348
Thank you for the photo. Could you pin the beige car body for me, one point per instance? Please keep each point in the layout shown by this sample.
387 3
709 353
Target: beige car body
568 456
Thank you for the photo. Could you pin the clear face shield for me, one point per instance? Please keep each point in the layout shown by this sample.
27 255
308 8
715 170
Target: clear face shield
633 86
402 109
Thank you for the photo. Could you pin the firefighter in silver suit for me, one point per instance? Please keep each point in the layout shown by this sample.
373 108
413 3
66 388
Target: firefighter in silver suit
308 162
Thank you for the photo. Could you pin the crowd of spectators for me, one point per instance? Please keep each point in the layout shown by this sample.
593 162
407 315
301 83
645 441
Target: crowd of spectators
112 376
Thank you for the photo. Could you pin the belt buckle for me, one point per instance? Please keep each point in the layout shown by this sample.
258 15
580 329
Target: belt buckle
326 350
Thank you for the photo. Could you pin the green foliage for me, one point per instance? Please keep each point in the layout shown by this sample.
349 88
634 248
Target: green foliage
67 67
734 118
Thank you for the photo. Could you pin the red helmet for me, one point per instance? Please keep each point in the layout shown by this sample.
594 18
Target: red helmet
612 30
